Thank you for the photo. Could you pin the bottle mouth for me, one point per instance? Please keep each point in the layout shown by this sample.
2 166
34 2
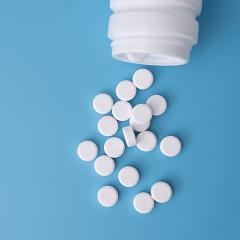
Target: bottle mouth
151 59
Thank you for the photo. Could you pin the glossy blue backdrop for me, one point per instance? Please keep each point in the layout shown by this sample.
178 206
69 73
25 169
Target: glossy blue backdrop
54 58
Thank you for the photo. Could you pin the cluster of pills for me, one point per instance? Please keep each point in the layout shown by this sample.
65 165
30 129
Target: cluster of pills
139 118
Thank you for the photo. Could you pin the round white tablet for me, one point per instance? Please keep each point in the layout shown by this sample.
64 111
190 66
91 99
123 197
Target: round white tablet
161 192
142 79
146 141
107 126
129 136
126 90
104 165
170 146
87 150
143 203
128 176
158 104
103 103
122 110
139 127
107 196
114 147
141 114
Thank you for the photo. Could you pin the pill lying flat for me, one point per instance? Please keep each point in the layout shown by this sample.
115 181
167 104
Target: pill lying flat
141 114
139 127
128 176
107 126
104 165
87 150
143 203
126 90
146 141
107 196
170 146
161 192
129 136
114 147
122 110
142 79
158 104
103 103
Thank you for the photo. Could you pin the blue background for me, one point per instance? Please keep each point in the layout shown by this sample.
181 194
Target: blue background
54 58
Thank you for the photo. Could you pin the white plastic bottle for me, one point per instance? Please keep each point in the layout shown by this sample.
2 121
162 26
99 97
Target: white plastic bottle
154 32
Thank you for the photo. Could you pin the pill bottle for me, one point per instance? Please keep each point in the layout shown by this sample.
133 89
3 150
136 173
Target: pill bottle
154 32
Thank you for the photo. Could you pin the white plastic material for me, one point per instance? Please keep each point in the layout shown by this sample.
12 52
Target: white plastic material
154 32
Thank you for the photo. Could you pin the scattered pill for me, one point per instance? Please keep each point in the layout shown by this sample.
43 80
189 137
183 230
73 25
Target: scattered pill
107 126
122 110
103 103
146 141
141 114
114 147
128 176
170 146
143 79
87 150
161 192
139 127
158 104
107 196
104 165
143 203
126 90
129 136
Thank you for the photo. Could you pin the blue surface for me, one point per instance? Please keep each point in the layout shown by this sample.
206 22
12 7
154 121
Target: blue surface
54 58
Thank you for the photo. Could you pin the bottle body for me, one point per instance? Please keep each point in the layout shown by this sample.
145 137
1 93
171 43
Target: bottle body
154 32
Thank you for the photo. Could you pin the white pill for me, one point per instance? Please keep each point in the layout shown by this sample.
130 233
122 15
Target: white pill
143 79
107 196
146 141
161 192
107 126
128 176
139 127
103 103
170 146
104 165
122 110
87 150
126 90
143 203
141 114
129 136
114 147
158 104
